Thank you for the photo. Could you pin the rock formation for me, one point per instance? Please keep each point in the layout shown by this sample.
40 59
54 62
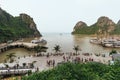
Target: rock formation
12 28
80 25
31 24
103 25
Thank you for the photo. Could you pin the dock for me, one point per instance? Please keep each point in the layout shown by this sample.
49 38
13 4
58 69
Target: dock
5 46
13 72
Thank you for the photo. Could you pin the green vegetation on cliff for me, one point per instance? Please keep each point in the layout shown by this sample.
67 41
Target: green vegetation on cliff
79 71
104 25
117 30
87 30
12 28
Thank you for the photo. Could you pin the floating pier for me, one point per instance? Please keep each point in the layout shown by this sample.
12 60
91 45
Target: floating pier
5 46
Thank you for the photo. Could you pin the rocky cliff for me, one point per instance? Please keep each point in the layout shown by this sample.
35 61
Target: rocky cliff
106 24
12 28
103 25
80 25
31 24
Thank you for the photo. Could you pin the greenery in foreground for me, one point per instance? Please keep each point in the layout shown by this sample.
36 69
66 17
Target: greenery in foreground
79 71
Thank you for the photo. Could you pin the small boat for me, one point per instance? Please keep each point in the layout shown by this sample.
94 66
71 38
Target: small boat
39 41
95 41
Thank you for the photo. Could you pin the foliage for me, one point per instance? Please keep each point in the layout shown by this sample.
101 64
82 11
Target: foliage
76 48
32 64
57 48
87 30
117 30
10 57
40 49
78 71
113 52
93 29
6 65
12 28
29 72
24 64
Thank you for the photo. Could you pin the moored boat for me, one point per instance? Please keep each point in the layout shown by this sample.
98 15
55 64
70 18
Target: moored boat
39 41
95 41
111 43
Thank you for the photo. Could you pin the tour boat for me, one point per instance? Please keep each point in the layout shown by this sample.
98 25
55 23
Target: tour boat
39 41
95 41
111 43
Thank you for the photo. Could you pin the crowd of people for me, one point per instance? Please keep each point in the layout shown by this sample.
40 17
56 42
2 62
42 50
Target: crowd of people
51 59
69 57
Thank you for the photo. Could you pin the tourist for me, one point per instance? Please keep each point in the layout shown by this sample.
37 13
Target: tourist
53 62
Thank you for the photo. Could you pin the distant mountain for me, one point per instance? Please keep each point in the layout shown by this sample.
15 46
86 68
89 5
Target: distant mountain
104 25
12 28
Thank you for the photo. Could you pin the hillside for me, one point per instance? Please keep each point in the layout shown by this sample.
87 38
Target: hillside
12 28
104 25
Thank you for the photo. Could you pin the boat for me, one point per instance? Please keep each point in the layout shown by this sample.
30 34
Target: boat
95 41
39 41
115 43
111 43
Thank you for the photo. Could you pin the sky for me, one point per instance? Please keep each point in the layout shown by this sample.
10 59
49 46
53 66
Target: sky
62 15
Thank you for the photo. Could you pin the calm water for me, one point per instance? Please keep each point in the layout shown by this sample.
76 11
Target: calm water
66 41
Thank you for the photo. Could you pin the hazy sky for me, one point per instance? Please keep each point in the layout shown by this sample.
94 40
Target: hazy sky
62 15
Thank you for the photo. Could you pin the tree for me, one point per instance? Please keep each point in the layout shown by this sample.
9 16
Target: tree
10 57
76 49
78 71
57 48
24 65
6 65
113 52
40 49
32 64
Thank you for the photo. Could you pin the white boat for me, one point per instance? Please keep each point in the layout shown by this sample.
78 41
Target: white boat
108 45
111 43
95 41
39 41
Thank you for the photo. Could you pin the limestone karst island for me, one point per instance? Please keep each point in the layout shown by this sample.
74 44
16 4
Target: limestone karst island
14 28
42 43
105 30
103 25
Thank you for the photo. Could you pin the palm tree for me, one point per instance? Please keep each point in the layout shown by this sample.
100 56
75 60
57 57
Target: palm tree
24 65
32 64
5 60
6 66
17 65
40 49
57 48
10 57
76 48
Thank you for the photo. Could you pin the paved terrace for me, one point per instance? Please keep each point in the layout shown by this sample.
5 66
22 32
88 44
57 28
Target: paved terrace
26 44
5 46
